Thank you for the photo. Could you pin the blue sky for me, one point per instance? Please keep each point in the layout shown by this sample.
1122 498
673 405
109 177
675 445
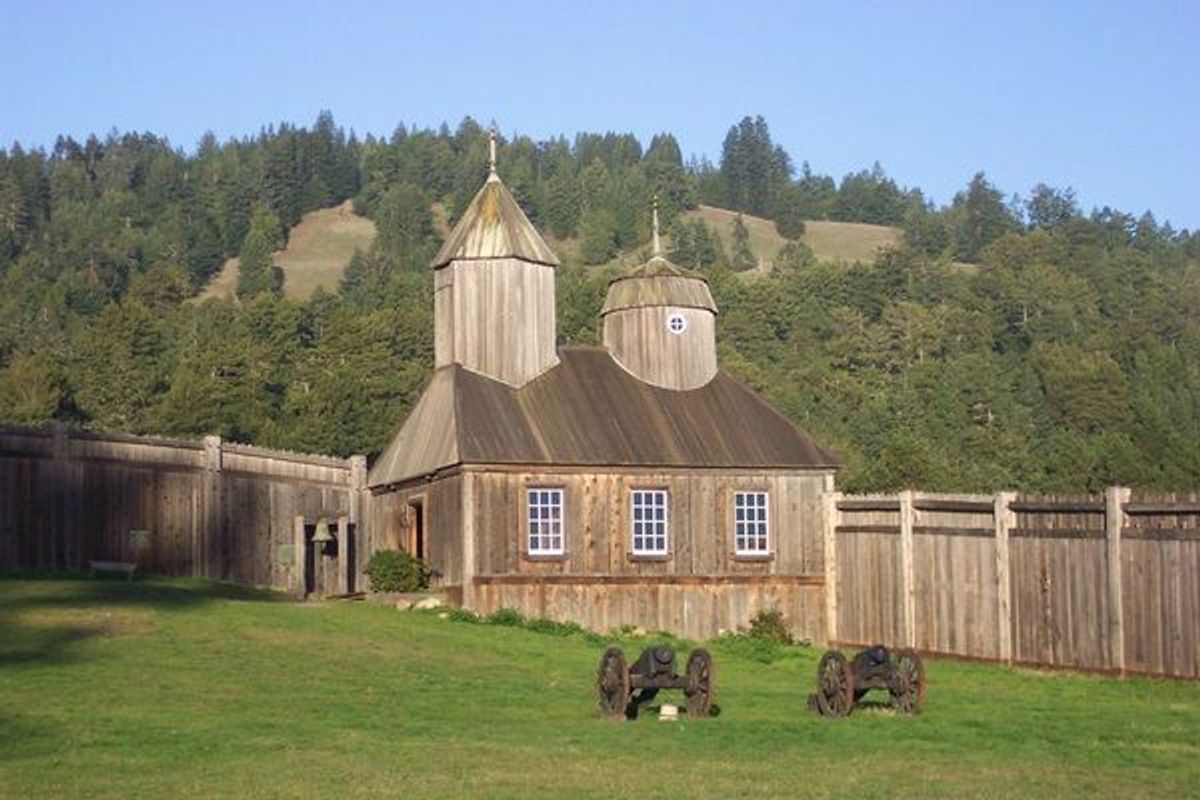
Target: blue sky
1099 96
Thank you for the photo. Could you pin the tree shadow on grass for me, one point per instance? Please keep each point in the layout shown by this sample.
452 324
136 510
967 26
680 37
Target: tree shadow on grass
25 644
44 618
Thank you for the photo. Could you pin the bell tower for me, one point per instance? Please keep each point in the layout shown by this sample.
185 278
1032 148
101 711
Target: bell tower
493 290
660 323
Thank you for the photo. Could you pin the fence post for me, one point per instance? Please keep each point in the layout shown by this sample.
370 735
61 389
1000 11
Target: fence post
832 519
345 555
908 590
212 546
1004 519
1114 521
358 485
299 560
359 500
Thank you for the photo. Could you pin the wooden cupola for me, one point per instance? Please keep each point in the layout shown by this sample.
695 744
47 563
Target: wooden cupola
660 323
494 290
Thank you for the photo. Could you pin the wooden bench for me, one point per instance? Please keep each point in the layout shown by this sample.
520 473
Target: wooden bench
113 566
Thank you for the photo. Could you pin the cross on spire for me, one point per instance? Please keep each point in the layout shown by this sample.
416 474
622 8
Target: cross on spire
492 151
654 227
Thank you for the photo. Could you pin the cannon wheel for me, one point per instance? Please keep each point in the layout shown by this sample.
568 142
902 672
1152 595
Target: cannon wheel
612 683
835 685
701 683
910 674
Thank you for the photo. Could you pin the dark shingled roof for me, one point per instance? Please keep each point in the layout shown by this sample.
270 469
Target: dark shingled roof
589 411
494 226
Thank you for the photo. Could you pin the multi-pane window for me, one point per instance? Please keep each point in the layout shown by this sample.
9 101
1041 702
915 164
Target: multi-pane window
750 523
650 522
545 521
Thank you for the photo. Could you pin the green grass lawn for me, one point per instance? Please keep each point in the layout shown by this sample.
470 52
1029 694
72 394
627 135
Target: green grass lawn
169 688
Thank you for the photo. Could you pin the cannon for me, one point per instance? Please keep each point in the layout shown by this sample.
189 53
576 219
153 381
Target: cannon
653 671
841 684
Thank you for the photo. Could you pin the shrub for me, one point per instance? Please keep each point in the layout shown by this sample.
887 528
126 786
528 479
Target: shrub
463 615
771 626
552 628
506 616
396 571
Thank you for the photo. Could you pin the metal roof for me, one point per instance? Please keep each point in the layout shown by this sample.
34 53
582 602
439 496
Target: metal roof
494 226
589 411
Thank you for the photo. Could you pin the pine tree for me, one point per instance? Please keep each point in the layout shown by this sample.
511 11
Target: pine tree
257 272
598 236
406 235
789 212
30 390
562 205
1048 206
741 257
982 217
754 169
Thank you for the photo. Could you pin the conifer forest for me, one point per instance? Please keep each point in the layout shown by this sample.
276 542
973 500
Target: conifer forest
1014 341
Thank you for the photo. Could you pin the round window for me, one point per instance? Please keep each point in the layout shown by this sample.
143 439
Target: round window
677 323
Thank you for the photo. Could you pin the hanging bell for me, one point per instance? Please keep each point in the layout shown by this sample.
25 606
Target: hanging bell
322 536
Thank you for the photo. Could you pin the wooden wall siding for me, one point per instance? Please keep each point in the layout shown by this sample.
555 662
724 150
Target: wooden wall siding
1085 588
700 588
496 317
641 343
698 610
387 523
211 510
598 532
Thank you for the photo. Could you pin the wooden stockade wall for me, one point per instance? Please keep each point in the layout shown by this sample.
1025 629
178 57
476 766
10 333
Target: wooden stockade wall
189 508
1107 582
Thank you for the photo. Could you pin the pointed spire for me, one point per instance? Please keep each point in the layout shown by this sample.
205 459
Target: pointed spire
494 226
654 226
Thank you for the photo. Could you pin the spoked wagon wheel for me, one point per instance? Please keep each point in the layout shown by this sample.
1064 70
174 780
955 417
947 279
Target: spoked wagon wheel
835 685
701 684
909 693
613 683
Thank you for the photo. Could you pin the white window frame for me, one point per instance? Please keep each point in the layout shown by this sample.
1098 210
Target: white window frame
650 530
677 323
545 521
752 523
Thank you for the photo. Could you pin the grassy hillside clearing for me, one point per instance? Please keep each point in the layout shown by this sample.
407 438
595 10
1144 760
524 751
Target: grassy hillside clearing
190 689
829 241
318 250
320 246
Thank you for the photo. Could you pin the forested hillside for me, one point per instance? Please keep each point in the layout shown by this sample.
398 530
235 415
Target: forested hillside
1068 359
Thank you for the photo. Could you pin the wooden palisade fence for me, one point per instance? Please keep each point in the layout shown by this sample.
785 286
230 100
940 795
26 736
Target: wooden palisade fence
1108 583
191 508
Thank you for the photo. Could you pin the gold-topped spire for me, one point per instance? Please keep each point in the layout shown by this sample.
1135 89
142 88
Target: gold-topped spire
654 226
